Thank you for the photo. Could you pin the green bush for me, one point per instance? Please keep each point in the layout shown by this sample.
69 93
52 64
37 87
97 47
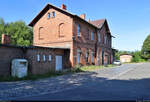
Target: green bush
137 57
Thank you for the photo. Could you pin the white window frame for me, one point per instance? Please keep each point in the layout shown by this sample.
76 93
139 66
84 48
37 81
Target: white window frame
50 57
78 29
44 58
92 35
38 57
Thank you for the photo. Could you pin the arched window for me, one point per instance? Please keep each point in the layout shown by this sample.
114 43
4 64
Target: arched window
41 33
61 30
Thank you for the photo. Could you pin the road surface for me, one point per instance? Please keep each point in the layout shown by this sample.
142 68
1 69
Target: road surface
126 82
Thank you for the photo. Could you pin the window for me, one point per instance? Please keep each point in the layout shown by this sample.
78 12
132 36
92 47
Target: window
50 58
91 35
105 39
87 55
61 30
78 55
78 30
95 35
92 56
99 37
53 14
44 58
41 33
88 34
38 57
49 15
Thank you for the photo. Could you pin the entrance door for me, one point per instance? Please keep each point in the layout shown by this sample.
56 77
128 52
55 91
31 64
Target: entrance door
106 60
58 63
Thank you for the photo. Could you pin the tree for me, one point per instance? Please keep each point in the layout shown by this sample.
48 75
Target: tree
137 57
146 48
2 27
20 33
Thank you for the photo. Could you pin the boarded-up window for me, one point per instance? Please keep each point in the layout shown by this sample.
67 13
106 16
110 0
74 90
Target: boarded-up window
41 33
61 30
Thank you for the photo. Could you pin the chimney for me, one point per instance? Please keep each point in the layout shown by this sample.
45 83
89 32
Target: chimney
5 39
63 7
82 16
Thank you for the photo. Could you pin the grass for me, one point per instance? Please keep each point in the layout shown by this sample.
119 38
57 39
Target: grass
93 67
77 69
39 76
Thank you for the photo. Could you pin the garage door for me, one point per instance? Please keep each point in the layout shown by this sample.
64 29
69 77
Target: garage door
58 63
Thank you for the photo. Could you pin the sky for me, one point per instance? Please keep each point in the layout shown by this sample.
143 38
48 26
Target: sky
128 20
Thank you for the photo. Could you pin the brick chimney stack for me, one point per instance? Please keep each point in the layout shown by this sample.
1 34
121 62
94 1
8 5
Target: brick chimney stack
63 7
5 39
83 16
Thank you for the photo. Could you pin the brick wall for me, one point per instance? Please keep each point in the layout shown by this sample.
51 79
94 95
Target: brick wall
57 31
85 43
41 67
54 31
8 53
61 31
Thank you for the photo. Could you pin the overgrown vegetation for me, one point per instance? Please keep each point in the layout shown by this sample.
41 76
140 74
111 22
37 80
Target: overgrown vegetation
20 33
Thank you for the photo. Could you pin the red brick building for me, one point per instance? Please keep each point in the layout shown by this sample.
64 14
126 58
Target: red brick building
89 42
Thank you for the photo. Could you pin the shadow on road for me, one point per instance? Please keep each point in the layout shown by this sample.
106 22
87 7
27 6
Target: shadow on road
84 86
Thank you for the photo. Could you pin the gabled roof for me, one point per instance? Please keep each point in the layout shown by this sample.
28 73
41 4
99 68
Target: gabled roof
46 8
98 23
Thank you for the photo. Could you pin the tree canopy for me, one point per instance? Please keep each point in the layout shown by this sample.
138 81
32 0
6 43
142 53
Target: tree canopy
20 33
146 48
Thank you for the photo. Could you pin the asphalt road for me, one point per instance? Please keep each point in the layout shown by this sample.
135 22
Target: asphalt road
127 82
